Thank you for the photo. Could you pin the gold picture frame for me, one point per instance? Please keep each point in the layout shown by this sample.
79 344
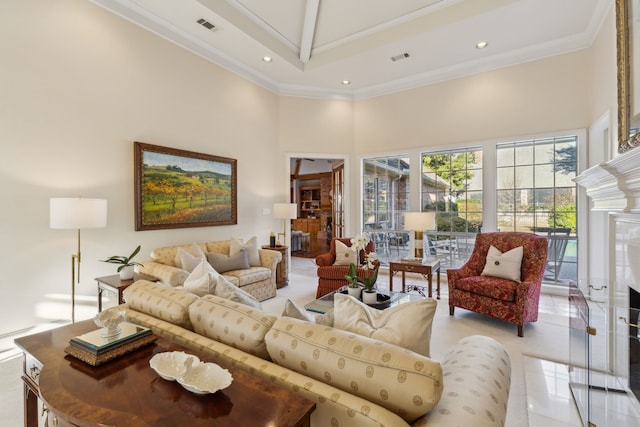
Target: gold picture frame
178 188
628 64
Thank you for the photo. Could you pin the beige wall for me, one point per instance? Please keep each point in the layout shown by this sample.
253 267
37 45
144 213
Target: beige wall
78 85
541 96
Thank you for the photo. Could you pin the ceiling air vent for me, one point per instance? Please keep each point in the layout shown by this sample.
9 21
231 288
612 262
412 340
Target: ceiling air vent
399 57
208 25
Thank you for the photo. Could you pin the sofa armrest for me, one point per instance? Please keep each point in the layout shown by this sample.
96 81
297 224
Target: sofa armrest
325 260
167 274
477 376
270 260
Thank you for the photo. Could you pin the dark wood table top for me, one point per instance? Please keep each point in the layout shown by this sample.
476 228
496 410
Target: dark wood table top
127 392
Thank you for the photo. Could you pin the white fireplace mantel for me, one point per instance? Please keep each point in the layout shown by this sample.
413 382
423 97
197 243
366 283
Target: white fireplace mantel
614 185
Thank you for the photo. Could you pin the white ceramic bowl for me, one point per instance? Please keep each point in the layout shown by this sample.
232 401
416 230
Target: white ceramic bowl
206 378
171 365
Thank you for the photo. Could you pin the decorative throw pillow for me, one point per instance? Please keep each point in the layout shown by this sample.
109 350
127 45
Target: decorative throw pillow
189 259
227 290
251 247
345 255
291 309
406 325
222 263
504 265
202 280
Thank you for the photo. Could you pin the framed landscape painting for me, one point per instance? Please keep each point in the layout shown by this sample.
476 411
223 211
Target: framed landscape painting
177 188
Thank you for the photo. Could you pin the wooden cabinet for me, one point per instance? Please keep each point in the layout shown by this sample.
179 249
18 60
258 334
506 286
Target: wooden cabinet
282 269
307 225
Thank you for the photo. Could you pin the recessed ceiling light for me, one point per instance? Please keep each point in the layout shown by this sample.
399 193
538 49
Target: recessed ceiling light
267 59
346 82
482 45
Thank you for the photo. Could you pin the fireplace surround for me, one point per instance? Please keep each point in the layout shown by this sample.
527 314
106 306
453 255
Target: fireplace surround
614 189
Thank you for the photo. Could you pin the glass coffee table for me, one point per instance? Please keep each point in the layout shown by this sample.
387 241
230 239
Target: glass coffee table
325 302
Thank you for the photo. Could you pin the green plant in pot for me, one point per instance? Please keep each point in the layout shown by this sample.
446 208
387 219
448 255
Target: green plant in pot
368 282
354 289
371 264
126 265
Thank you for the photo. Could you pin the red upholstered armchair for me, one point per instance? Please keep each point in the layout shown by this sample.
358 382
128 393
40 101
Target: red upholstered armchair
331 277
504 299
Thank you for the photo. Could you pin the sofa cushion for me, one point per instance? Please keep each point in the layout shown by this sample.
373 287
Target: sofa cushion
247 276
406 325
231 323
236 245
400 380
223 263
169 304
504 265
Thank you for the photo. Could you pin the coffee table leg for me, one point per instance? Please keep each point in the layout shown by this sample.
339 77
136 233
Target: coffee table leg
391 278
438 284
430 277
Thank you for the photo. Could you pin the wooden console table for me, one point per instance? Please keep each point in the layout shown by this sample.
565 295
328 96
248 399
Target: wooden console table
425 268
127 392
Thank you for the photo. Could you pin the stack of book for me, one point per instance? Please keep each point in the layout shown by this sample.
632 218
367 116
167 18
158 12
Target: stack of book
95 348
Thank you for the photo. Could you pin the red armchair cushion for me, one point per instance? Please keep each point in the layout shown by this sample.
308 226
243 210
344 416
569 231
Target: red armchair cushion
494 287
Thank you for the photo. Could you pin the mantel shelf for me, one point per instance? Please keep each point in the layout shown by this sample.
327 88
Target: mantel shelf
614 185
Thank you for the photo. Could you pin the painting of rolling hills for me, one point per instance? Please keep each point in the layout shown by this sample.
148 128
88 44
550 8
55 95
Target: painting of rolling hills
177 188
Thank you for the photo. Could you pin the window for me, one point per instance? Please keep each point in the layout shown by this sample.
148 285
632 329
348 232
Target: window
536 193
452 187
385 198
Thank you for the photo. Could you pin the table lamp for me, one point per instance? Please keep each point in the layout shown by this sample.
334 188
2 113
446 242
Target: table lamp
418 222
76 213
285 211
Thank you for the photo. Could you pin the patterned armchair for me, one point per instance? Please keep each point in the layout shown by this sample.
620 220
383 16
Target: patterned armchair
331 277
504 299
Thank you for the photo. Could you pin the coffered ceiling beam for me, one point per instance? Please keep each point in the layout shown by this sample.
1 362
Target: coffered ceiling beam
308 29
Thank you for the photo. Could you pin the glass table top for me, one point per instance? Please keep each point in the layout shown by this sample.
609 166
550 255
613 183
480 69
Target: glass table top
325 303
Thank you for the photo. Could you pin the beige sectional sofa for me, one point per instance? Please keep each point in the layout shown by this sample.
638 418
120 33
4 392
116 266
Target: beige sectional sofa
257 280
354 380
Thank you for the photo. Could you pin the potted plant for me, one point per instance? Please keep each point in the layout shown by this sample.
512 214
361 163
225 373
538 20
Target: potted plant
126 265
367 284
371 263
354 289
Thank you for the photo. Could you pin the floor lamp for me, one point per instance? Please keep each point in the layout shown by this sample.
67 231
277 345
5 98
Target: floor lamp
418 222
76 213
285 211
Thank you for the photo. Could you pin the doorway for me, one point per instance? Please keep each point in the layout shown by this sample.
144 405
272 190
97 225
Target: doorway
316 185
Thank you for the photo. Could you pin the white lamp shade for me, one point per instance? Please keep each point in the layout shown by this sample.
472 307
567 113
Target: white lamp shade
78 212
420 221
285 210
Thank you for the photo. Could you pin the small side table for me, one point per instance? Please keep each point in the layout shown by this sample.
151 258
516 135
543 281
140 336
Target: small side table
282 269
426 268
117 286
